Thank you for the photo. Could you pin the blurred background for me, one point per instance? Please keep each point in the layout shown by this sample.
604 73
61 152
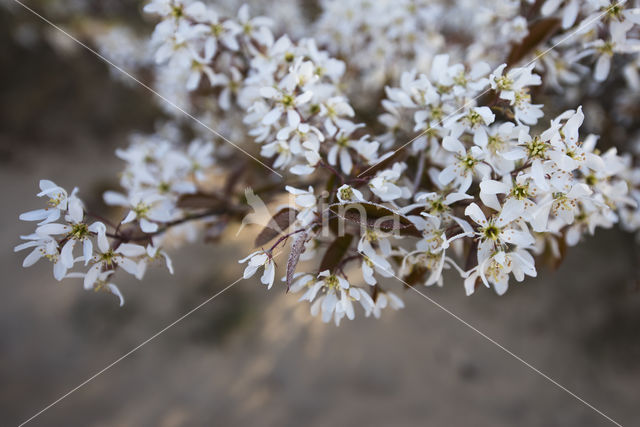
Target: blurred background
257 358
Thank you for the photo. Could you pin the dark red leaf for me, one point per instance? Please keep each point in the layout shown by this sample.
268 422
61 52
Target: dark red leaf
297 248
374 215
335 252
277 226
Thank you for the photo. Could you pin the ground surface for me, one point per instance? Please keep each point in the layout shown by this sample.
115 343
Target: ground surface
252 357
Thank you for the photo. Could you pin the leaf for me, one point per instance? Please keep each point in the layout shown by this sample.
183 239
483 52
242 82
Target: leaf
335 252
376 216
539 31
297 247
277 225
198 201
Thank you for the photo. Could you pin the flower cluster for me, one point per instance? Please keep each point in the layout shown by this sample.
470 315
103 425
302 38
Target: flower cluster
400 161
57 242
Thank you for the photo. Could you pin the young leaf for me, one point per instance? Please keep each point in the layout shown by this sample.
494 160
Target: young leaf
374 215
277 225
297 247
335 252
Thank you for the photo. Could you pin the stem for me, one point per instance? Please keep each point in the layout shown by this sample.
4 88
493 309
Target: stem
325 165
146 236
286 236
521 168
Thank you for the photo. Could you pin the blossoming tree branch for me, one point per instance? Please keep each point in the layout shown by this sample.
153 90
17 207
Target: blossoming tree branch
408 136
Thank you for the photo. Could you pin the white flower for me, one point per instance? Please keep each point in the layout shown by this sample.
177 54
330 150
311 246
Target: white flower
76 230
162 7
386 184
384 299
372 261
501 138
109 259
467 163
285 102
57 204
329 303
102 283
257 260
498 231
522 191
564 206
343 143
147 208
496 269
513 88
153 253
306 200
256 27
346 193
43 247
569 14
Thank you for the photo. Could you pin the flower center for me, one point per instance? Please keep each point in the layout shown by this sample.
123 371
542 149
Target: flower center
79 231
491 232
346 193
504 83
331 282
141 210
536 148
520 192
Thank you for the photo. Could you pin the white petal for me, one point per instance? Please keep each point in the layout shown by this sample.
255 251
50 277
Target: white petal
447 175
32 258
59 271
148 226
131 250
603 64
453 144
75 209
53 229
129 266
66 254
293 118
475 213
114 290
511 210
272 116
494 187
516 237
87 251
36 215
345 161
92 276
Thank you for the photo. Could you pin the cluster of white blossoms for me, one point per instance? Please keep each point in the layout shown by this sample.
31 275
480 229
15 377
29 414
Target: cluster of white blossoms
458 168
384 38
64 225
